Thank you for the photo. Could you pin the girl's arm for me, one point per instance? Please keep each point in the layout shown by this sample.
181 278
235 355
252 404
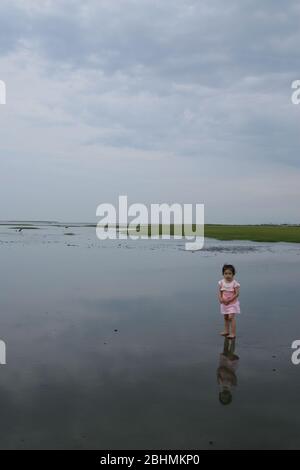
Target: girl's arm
220 296
236 294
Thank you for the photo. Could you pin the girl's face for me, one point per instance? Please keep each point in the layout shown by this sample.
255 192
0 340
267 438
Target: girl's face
228 275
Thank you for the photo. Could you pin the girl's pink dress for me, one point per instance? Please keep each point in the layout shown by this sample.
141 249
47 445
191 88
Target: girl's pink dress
227 289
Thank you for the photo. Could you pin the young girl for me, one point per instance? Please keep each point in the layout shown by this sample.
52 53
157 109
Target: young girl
229 290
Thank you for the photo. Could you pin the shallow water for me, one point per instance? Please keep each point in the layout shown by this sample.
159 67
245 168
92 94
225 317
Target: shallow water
72 381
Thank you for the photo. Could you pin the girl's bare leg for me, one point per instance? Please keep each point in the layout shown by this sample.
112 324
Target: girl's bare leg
233 326
227 324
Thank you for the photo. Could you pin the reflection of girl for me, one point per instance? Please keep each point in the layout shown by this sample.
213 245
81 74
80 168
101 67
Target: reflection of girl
229 290
226 372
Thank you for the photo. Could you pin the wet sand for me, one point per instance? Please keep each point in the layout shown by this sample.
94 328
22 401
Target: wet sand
115 344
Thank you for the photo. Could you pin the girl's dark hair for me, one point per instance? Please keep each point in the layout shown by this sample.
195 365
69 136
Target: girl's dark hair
230 267
225 397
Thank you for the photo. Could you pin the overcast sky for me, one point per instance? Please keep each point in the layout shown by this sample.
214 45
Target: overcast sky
165 101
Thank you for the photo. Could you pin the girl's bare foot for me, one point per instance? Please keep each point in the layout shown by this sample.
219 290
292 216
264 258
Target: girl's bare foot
224 333
231 337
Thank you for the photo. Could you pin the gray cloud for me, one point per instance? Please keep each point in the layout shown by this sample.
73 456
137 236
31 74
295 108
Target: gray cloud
201 90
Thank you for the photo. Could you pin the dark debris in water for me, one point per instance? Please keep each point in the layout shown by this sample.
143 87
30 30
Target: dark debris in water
231 249
19 229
